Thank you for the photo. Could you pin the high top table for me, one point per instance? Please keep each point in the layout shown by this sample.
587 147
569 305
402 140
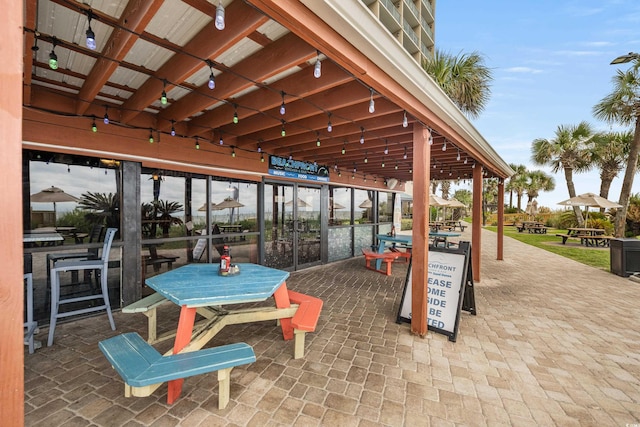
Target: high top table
199 287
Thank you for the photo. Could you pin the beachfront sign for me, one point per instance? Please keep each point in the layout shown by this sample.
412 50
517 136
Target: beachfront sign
298 169
449 290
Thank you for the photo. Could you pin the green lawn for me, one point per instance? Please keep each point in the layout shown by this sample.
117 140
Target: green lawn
598 258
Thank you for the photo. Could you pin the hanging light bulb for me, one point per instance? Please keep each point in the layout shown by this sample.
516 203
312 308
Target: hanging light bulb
290 155
473 166
458 156
430 137
317 68
212 79
220 16
382 162
366 157
353 176
282 107
221 141
444 146
150 136
173 129
235 113
91 37
163 97
405 121
410 170
197 144
364 178
361 135
259 148
396 167
233 152
355 169
344 148
94 128
404 156
466 159
283 132
53 58
317 139
372 104
261 158
329 127
386 147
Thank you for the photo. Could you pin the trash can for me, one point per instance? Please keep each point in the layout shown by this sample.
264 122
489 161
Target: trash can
625 256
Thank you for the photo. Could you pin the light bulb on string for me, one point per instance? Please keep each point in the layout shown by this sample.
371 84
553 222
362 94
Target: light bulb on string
221 141
283 109
317 139
283 132
259 148
163 97
372 104
430 137
366 157
150 136
344 148
405 121
105 119
233 151
261 158
404 156
458 156
94 127
212 79
386 147
91 37
317 68
197 144
235 113
396 167
53 58
173 129
329 127
219 21
466 159
382 165
444 146
361 135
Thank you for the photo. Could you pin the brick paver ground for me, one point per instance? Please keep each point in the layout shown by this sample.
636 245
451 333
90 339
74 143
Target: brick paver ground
554 343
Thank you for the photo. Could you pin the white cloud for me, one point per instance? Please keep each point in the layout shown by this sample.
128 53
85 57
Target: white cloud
527 70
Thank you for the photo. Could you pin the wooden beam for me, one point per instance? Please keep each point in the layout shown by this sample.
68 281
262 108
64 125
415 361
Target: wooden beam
476 222
500 237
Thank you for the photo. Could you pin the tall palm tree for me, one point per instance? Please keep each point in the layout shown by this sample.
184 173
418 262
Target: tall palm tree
516 184
623 106
464 78
609 152
539 181
568 152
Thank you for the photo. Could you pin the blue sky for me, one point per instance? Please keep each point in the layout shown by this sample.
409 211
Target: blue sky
550 62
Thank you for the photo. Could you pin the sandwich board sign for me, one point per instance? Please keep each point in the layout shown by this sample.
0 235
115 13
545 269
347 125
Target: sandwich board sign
449 289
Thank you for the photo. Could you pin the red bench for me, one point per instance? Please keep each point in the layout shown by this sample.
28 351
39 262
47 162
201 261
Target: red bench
305 320
405 255
386 257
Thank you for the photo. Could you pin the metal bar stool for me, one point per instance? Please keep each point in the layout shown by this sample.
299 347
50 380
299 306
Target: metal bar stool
30 325
101 265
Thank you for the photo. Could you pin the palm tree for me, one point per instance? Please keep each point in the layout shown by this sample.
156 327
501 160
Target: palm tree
103 208
609 152
516 184
166 209
567 151
539 181
623 106
464 78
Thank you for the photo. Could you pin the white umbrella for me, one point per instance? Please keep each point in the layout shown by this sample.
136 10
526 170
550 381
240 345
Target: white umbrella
532 208
590 200
229 203
301 203
53 195
366 204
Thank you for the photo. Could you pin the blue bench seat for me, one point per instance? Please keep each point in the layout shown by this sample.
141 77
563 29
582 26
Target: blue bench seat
142 367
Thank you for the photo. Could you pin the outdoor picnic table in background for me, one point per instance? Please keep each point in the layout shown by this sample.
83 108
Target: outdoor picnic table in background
532 227
587 236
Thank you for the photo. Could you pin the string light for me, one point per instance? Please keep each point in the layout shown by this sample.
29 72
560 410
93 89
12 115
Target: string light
233 151
283 132
372 104
404 156
221 142
361 135
91 37
106 115
259 148
366 157
53 58
405 121
150 136
386 148
317 139
444 146
466 159
197 144
329 127
458 156
430 137
261 158
283 110
212 79
94 128
235 113
396 167
473 166
344 147
382 162
317 68
163 97
355 169
219 22
173 129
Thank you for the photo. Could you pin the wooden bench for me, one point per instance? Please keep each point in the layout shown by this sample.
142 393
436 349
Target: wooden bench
603 241
405 255
141 366
158 261
386 257
148 306
305 320
564 237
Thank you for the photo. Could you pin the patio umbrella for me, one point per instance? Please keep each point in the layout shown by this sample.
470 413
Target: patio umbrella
336 205
453 203
532 208
590 200
437 202
366 204
53 195
301 203
212 207
231 204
